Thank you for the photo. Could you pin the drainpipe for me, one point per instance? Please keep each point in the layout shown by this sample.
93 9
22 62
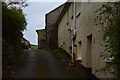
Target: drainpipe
73 33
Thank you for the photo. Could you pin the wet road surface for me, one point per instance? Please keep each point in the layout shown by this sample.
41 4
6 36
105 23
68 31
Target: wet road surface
41 64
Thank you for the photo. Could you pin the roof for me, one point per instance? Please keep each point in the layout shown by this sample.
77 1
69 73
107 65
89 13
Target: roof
24 39
67 4
55 8
57 11
39 30
65 7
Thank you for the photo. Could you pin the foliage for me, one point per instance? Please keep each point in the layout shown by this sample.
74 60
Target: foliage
12 19
109 19
24 46
15 4
13 23
59 53
34 46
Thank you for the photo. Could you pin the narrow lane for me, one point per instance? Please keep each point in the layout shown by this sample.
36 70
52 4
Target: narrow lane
41 64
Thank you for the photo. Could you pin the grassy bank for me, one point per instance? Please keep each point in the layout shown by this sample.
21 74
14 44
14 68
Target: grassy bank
34 46
59 53
62 55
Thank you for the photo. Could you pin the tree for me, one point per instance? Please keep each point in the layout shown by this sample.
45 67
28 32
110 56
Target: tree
13 23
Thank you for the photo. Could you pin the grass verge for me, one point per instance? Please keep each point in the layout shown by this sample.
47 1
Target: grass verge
61 54
58 53
34 46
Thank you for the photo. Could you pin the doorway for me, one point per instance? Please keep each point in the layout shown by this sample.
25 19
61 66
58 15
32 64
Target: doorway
89 51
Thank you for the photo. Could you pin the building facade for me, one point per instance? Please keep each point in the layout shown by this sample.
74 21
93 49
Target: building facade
48 37
41 38
25 43
51 27
88 41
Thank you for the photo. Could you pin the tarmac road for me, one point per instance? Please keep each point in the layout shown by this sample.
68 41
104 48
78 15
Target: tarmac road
42 64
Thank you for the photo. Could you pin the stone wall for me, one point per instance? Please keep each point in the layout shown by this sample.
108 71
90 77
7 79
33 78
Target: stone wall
51 27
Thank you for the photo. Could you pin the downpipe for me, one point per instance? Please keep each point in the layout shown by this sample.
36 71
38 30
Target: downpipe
73 34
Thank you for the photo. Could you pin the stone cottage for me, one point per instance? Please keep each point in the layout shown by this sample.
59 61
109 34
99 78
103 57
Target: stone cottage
48 37
88 40
41 38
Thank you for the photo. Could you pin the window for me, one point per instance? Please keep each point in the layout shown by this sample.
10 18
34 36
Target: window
79 51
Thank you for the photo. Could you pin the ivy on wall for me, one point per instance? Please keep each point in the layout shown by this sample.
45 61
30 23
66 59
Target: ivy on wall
109 19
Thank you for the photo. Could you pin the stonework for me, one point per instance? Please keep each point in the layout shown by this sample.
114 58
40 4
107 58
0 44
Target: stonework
51 27
49 35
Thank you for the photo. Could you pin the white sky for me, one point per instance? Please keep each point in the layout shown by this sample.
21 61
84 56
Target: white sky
36 18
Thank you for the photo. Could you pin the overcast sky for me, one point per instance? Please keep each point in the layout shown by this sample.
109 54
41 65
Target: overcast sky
36 18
